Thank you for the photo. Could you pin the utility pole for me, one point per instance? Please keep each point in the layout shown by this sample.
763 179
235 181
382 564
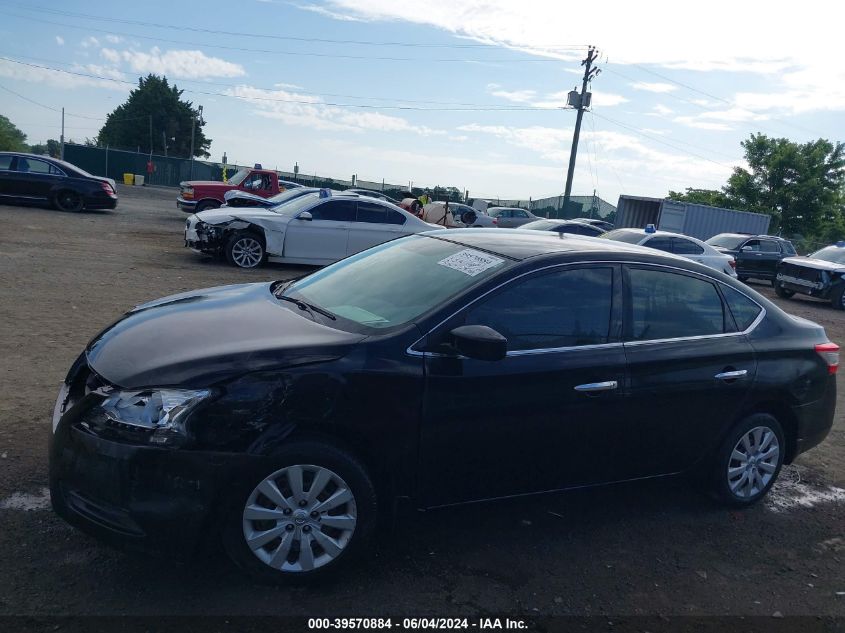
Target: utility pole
151 136
580 102
62 155
193 125
164 142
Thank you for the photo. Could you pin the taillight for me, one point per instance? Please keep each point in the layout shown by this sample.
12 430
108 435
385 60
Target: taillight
733 264
495 220
107 188
830 353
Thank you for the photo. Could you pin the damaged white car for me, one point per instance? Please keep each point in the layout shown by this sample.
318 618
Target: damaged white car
318 228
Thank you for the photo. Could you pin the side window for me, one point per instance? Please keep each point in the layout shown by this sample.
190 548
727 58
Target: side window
670 305
788 248
6 162
371 212
394 217
769 246
686 247
34 166
336 210
744 310
561 309
660 243
520 214
753 244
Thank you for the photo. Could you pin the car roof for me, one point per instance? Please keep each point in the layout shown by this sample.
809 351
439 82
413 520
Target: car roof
519 244
751 235
28 155
653 233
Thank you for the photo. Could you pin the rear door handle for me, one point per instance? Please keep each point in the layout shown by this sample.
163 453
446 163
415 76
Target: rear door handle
731 375
608 385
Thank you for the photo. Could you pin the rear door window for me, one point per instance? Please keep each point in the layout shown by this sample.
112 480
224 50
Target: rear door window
6 162
681 246
660 243
371 212
769 246
666 305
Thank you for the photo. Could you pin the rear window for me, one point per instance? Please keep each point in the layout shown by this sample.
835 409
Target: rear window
727 241
744 310
623 235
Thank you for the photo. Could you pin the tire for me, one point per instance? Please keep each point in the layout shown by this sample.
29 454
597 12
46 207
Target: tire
738 481
276 554
67 200
838 299
246 250
205 205
782 292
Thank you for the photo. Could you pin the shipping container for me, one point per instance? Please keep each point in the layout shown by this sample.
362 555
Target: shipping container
695 220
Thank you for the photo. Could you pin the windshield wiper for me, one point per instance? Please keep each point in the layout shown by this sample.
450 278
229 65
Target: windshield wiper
302 305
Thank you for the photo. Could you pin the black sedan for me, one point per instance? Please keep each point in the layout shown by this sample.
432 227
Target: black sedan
29 178
573 227
756 256
444 368
820 275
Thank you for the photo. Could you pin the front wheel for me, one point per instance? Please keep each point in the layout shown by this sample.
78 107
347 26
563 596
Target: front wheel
782 292
748 461
245 250
314 511
68 201
205 205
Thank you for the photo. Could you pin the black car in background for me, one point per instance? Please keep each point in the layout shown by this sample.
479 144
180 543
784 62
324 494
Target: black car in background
574 227
30 178
820 275
604 225
445 368
756 256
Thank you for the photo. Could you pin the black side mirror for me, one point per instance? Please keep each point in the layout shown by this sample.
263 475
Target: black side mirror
479 342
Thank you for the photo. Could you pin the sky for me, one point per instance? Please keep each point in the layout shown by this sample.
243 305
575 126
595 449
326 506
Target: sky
464 93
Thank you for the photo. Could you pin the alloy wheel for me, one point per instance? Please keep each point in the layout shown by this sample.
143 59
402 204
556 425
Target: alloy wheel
754 462
300 518
247 252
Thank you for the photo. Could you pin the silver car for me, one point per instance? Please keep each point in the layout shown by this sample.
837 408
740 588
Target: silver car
511 217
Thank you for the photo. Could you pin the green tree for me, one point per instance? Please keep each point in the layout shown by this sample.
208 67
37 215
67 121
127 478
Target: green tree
128 126
11 138
51 148
799 185
710 197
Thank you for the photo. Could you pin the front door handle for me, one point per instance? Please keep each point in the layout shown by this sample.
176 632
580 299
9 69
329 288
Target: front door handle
731 375
608 385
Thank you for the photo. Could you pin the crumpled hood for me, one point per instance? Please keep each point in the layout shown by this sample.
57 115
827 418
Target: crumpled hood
818 264
227 214
195 339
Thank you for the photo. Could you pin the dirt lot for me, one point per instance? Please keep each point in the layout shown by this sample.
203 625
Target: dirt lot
655 548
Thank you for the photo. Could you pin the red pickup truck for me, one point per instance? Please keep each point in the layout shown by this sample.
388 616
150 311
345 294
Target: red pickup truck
199 195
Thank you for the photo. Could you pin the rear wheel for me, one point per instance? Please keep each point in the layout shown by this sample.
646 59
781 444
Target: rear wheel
68 201
245 250
309 515
206 204
782 292
749 461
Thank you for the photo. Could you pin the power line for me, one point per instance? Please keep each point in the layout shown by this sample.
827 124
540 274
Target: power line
294 53
100 18
296 101
17 94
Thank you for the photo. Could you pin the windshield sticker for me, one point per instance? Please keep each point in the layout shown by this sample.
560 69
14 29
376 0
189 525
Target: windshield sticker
470 262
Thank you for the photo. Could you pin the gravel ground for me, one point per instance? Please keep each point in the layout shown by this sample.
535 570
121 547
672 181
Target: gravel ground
656 548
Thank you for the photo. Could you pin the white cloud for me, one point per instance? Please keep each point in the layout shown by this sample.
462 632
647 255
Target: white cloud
653 87
184 64
692 121
114 39
60 40
54 78
90 42
109 54
660 110
309 111
517 96
334 15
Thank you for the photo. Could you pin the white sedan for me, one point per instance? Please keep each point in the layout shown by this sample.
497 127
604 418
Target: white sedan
318 228
682 245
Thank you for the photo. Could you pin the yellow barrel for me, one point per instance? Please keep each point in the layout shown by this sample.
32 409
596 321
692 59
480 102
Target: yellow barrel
128 179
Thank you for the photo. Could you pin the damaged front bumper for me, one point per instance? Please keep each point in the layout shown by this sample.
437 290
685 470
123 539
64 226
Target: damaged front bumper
130 495
202 237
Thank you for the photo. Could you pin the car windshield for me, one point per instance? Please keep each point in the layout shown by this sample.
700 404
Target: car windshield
541 225
396 282
727 241
833 254
239 176
294 204
624 235
286 196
